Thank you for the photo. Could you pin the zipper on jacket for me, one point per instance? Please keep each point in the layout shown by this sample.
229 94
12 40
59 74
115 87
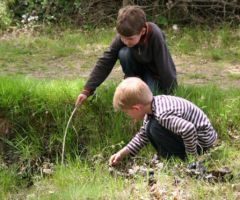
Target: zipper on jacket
139 50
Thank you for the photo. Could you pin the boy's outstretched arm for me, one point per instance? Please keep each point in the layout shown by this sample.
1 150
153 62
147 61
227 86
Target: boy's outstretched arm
117 157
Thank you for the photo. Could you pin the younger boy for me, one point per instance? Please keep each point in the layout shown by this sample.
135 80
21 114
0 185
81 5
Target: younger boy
142 51
173 125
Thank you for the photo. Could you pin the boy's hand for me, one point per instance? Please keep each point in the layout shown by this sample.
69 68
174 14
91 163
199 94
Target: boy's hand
80 99
117 157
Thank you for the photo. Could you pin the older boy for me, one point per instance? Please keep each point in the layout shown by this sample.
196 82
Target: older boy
141 48
173 125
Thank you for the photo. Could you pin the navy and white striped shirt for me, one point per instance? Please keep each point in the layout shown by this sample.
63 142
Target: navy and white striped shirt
181 117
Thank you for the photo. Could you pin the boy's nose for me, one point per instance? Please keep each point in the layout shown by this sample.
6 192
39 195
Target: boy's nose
127 43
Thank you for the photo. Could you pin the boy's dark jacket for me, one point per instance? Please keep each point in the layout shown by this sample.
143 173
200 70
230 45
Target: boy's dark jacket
151 52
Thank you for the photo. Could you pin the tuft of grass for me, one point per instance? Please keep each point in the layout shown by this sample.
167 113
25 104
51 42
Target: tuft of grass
234 76
196 76
79 180
217 54
9 181
219 43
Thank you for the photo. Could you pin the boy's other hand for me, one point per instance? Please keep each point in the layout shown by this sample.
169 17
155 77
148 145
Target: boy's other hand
115 159
80 99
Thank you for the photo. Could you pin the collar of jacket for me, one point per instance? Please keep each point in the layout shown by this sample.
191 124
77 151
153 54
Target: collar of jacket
145 37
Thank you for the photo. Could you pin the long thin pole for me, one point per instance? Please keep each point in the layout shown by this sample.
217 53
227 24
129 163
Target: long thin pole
65 134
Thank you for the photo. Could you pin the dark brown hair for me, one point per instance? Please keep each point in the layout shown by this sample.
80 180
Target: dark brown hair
130 20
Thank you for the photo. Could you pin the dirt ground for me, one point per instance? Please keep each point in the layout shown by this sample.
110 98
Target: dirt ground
190 70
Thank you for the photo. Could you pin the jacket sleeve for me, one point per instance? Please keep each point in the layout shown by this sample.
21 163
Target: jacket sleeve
103 66
165 67
183 128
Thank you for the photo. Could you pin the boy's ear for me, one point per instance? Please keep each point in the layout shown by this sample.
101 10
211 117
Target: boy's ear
143 31
137 107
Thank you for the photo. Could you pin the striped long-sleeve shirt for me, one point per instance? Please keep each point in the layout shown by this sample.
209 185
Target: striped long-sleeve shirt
181 117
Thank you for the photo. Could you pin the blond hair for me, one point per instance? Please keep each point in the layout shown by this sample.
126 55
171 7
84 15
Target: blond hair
130 92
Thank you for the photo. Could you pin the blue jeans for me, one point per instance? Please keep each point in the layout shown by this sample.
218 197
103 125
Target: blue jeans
131 68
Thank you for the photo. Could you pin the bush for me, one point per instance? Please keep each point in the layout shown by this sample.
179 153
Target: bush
5 18
95 13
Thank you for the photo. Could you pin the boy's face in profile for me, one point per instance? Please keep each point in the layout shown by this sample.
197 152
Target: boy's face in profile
131 41
136 112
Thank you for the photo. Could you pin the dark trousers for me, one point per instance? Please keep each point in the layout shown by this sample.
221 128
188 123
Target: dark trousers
164 141
167 143
132 68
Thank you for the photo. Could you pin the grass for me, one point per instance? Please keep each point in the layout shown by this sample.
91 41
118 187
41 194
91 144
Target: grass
81 180
196 76
74 49
31 53
9 181
217 44
78 181
39 110
234 76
